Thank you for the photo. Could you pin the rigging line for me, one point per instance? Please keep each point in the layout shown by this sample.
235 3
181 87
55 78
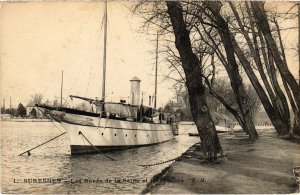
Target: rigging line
87 88
148 75
95 147
122 7
106 120
89 16
99 28
107 117
80 68
99 119
43 93
48 118
77 75
148 81
108 22
48 86
97 35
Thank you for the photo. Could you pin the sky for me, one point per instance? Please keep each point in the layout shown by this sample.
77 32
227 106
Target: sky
40 39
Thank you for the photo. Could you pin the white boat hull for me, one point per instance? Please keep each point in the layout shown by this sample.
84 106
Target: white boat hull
87 132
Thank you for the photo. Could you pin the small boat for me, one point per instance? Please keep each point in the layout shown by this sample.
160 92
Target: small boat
112 125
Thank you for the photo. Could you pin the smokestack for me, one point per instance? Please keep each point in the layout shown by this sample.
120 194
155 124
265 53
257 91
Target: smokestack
135 91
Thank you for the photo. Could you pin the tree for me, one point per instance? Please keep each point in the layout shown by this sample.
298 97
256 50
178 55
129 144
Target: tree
36 99
33 113
3 111
232 66
168 107
12 112
210 144
247 50
47 102
201 37
55 103
21 111
245 39
277 108
261 19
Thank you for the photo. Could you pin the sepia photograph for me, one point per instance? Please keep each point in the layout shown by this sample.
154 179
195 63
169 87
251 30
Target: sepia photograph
150 97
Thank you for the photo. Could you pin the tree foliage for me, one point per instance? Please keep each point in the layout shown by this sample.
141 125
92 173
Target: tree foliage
21 111
244 40
36 99
33 113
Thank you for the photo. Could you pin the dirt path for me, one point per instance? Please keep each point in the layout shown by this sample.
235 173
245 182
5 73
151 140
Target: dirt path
264 166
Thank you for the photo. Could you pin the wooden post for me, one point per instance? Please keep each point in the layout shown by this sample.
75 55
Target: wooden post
61 87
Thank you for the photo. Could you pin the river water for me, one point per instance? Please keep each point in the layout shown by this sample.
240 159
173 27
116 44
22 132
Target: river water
51 168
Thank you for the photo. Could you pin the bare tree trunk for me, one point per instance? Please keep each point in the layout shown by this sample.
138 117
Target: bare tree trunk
220 98
192 68
286 87
299 42
233 69
280 104
225 64
280 126
297 116
262 23
254 48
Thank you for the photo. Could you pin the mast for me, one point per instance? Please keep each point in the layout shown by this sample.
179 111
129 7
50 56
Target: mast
104 52
156 62
61 87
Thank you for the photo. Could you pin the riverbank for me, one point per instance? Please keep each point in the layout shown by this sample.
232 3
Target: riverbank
25 120
263 166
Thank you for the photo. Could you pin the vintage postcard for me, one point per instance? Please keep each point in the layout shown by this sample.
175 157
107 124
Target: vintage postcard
160 97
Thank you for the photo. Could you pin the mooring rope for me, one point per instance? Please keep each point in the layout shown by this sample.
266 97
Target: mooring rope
95 147
28 151
174 159
149 165
188 128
